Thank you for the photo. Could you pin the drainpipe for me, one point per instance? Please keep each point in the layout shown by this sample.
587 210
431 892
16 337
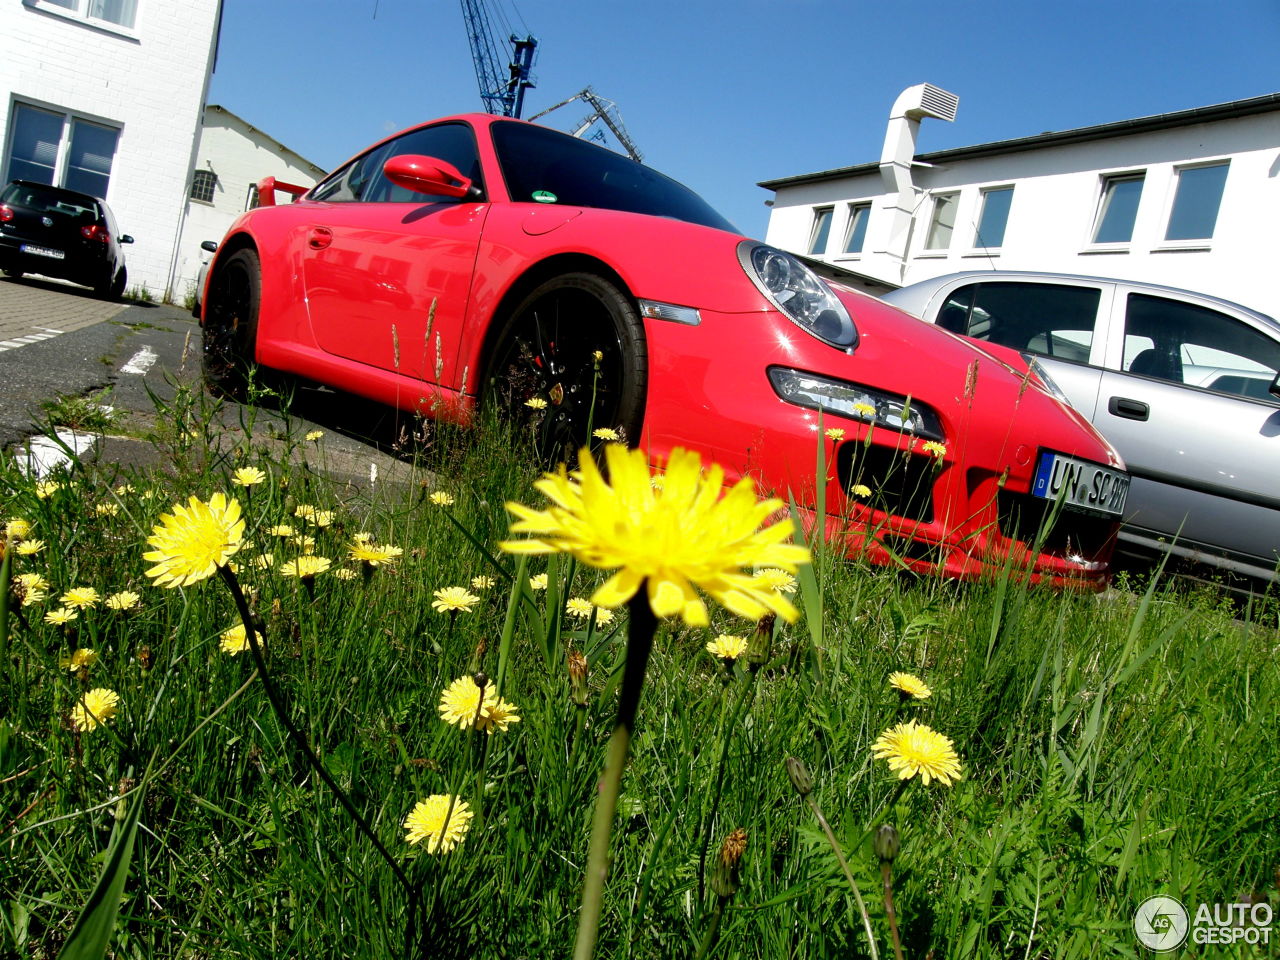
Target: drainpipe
913 104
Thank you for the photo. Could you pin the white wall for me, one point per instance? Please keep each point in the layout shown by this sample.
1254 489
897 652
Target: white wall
1054 206
240 155
149 81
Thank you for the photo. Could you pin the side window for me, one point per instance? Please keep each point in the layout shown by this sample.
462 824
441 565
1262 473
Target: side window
1186 343
820 233
346 184
452 142
1050 319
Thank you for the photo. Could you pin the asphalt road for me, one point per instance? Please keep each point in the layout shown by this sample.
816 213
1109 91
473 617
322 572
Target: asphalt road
144 353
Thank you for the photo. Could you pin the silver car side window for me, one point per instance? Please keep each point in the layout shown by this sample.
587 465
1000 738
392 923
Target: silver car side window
1181 342
1055 320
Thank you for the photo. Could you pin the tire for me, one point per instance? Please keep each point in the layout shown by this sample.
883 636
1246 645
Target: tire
546 349
231 325
115 289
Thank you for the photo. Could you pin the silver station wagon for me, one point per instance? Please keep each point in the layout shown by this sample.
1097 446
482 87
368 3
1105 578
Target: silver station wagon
1184 385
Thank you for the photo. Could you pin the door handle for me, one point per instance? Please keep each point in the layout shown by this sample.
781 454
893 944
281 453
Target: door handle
1129 409
319 238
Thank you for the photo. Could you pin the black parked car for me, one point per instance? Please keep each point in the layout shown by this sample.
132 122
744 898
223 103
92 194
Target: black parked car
61 233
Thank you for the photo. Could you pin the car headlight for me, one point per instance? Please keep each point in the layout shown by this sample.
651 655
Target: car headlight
853 400
1050 385
799 293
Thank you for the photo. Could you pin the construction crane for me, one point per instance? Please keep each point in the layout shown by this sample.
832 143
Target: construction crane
604 111
501 94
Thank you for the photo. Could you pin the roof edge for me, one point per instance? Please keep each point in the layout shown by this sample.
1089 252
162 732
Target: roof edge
1119 128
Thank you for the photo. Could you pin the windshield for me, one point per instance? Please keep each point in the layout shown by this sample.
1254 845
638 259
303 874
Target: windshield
541 165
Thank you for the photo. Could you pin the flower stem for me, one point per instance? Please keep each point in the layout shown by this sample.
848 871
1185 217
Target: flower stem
886 876
641 627
299 740
726 737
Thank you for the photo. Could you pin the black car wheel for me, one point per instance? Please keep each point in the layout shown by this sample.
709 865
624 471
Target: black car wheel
231 324
576 343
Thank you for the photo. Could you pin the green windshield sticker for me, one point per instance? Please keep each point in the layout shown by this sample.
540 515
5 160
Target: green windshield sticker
545 196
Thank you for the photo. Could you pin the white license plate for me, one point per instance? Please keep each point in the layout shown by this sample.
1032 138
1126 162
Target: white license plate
42 251
1081 483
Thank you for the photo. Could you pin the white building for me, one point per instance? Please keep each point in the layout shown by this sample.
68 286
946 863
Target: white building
1183 199
105 96
231 157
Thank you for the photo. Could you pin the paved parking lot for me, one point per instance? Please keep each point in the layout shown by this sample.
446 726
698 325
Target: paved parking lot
34 309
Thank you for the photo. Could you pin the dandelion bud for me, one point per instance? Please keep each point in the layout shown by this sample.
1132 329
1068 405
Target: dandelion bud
761 644
481 681
578 677
886 842
727 876
144 658
800 776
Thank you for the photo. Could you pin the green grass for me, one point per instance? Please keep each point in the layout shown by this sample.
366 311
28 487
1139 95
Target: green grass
1114 747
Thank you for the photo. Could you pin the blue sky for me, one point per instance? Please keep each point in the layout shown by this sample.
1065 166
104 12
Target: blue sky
723 95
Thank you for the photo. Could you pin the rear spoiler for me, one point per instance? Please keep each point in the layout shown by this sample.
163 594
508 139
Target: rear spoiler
268 186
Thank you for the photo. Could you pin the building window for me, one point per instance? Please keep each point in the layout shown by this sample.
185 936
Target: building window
942 222
1196 202
855 234
203 184
995 216
120 12
61 150
821 232
1118 208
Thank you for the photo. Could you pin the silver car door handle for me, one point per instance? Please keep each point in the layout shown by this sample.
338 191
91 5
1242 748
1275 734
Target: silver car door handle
1129 409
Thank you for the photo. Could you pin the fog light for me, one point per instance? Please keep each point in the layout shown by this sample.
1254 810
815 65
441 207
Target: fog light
852 400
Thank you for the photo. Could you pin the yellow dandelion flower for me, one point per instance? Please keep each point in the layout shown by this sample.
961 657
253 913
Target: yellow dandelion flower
235 640
31 581
314 435
16 528
345 573
603 616
107 509
81 660
686 537
860 490
442 820
460 705
305 568
934 448
536 403
597 355
46 489
124 489
362 537
483 582
538 581
264 561
281 530
124 600
910 686
95 708
193 541
454 600
29 548
32 597
727 646
61 616
834 433
579 607
303 542
864 409
606 433
248 477
375 555
912 748
775 579
82 598
441 499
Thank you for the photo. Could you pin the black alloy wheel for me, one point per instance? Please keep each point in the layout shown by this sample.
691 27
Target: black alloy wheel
575 343
231 325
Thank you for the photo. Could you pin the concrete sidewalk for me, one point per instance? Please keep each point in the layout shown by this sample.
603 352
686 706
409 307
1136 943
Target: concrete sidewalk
33 309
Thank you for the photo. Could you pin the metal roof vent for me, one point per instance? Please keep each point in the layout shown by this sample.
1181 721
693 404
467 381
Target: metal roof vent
933 102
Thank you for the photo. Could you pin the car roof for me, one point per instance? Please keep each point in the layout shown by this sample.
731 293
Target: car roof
922 292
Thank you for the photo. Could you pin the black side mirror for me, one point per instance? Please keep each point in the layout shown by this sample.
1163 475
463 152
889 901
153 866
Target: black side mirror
125 238
209 246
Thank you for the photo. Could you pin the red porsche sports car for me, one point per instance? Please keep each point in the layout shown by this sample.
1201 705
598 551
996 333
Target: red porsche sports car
482 259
